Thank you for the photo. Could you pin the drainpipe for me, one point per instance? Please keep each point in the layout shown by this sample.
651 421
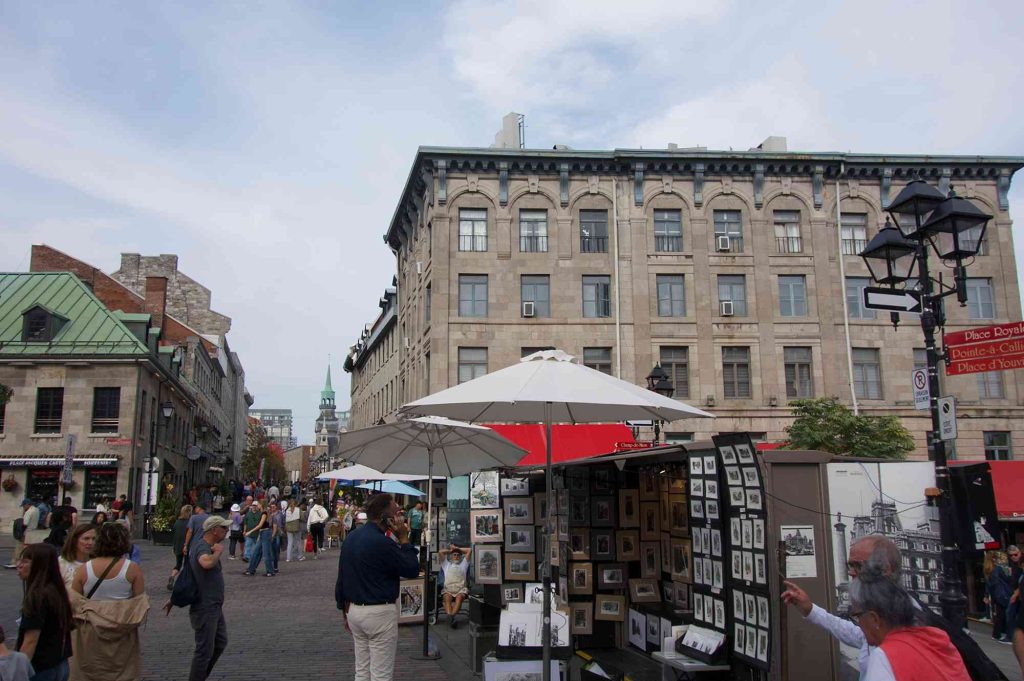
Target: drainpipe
842 277
615 283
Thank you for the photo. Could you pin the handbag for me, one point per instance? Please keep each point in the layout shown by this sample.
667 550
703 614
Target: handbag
309 543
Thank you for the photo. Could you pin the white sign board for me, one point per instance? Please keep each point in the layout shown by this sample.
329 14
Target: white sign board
800 552
947 418
922 396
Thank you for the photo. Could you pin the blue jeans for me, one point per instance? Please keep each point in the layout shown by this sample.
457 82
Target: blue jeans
59 672
276 545
250 545
264 549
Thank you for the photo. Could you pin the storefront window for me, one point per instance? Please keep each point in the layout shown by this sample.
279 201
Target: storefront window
42 483
100 484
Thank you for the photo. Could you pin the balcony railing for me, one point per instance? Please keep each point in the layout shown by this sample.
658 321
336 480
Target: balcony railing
789 244
533 244
48 425
853 246
593 244
105 425
668 244
472 242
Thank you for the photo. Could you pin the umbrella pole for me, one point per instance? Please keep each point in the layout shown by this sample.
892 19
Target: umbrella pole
546 656
428 587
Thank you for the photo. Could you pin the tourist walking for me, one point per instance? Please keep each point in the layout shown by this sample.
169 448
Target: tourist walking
235 530
277 530
416 523
110 604
249 521
998 589
98 519
317 517
14 666
263 549
25 530
293 527
60 524
178 537
44 633
370 568
194 529
207 613
76 550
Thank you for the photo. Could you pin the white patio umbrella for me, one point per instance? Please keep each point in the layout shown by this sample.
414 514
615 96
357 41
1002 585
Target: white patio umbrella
361 472
455 448
550 387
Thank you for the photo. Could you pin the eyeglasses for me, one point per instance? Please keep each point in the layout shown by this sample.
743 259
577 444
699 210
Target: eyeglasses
855 616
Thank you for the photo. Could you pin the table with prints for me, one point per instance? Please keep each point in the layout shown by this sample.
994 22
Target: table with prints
675 666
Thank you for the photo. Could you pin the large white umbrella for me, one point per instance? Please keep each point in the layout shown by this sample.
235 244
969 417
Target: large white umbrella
453 447
361 472
550 387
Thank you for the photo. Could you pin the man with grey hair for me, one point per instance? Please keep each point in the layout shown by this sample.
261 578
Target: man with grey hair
884 553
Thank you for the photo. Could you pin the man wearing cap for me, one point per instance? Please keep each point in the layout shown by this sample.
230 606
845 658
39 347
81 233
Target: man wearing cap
27 532
207 613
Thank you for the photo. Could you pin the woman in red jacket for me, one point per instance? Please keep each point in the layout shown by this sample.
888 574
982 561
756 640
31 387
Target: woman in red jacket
900 649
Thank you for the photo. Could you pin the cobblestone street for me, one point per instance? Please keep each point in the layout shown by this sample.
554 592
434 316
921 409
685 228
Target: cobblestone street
279 626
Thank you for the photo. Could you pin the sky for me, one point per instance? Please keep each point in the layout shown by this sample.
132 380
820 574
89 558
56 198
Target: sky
267 143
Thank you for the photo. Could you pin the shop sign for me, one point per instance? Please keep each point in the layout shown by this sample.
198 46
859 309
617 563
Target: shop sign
119 441
56 462
639 444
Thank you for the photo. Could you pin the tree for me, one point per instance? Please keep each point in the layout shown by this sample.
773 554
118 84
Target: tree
259 447
829 426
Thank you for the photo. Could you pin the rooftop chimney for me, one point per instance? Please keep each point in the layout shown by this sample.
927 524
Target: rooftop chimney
156 300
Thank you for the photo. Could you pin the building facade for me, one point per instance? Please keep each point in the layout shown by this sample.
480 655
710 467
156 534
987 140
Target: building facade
327 422
278 424
77 368
374 364
297 462
738 272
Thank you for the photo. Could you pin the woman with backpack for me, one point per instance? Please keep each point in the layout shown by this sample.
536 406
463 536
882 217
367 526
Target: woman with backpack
998 587
44 633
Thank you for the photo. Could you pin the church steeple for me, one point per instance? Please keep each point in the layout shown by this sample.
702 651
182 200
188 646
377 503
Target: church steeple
327 394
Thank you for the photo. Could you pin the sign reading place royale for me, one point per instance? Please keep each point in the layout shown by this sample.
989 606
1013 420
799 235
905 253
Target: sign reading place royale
987 348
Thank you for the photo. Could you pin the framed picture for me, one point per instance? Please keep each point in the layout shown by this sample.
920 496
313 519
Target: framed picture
485 526
558 478
711 489
638 629
733 475
629 508
758 533
737 604
679 524
650 521
763 616
644 591
653 632
511 593
737 564
743 454
627 545
578 480
696 466
602 511
681 595
717 576
750 608
650 559
696 486
667 592
581 579
602 480
555 553
540 508
735 532
602 544
737 498
561 502
728 455
518 511
748 566
750 644
410 600
520 538
663 510
754 500
697 508
579 510
710 465
520 567
514 486
648 484
682 560
487 564
609 608
750 477
666 552
739 633
711 509
579 543
716 543
760 568
483 490
563 528
762 645
563 588
748 533
612 575
698 571
581 617
534 593
698 540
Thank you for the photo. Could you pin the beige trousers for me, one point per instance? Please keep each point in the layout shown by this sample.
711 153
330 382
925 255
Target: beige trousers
375 633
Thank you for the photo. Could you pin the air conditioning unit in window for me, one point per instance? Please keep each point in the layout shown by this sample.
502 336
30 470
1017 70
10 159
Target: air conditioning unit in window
709 401
723 243
406 342
725 308
529 308
419 267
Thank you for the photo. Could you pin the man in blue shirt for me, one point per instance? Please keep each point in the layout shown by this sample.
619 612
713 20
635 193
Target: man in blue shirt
369 571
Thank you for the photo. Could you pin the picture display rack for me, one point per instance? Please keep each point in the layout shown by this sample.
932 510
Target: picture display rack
710 594
745 537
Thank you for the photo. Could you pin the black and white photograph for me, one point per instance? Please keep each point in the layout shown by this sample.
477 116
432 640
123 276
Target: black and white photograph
728 455
650 521
602 511
581 618
519 538
644 591
737 497
735 536
717 578
518 676
708 572
578 481
638 629
754 501
563 528
737 604
732 475
579 543
711 509
696 486
748 534
517 630
762 611
650 559
612 575
561 502
682 560
609 608
678 521
750 477
627 545
579 510
602 480
518 511
759 539
511 593
750 646
739 633
750 608
705 539
711 489
719 606
698 540
629 508
648 484
581 579
681 595
534 593
800 555
762 645
696 466
698 570
760 567
737 564
520 566
410 599
743 454
485 526
483 491
710 465
487 564
654 631
602 543
748 566
540 508
716 543
697 508
515 487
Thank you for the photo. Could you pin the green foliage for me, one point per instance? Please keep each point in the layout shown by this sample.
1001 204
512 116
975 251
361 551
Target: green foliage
5 394
166 512
829 426
259 447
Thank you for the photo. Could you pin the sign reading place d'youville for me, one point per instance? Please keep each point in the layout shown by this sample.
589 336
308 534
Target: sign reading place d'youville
987 348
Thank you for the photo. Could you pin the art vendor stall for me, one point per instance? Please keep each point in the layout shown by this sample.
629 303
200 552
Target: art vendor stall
664 552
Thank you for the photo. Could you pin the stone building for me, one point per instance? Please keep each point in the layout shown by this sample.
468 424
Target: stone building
297 462
211 371
278 424
104 376
724 267
327 425
374 364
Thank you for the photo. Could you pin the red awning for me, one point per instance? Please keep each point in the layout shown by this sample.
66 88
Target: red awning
568 442
1007 486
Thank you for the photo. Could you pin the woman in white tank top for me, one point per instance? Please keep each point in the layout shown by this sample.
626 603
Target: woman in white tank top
123 580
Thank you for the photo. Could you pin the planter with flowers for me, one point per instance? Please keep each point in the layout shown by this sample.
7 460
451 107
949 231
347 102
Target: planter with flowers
9 484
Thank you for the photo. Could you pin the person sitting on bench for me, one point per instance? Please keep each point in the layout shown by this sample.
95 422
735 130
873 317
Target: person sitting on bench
455 568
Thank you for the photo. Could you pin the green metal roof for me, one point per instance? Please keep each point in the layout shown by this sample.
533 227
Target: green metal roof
91 329
132 316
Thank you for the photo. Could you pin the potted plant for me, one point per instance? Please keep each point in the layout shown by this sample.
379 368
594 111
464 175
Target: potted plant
10 484
161 525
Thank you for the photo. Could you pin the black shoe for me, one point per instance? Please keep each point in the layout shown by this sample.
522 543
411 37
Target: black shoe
454 623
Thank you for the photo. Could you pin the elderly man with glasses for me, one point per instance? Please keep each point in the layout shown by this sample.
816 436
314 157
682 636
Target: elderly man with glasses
883 551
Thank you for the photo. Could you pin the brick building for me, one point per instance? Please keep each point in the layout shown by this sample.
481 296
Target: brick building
722 266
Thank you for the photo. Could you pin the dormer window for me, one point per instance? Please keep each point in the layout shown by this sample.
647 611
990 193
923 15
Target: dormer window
40 325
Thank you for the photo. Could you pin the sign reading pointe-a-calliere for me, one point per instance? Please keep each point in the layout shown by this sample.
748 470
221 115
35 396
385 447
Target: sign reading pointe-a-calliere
988 348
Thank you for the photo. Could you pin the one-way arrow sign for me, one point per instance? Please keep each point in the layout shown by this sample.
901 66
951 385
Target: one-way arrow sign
894 301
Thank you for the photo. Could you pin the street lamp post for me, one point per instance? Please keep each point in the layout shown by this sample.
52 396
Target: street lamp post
659 382
954 227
